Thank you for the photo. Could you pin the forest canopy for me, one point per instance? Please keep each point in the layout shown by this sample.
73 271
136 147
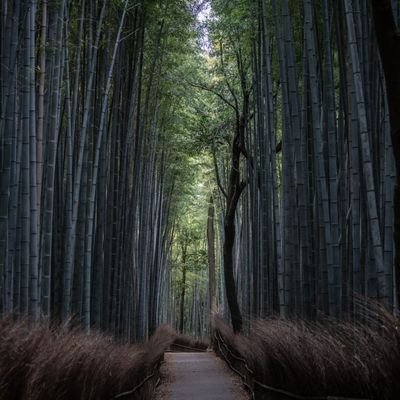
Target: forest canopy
161 160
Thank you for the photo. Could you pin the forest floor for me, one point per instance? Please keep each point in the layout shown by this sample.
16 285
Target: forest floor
198 376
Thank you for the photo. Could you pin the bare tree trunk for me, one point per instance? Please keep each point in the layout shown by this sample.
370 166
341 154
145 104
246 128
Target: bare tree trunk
71 233
93 188
235 188
388 36
183 288
211 258
41 114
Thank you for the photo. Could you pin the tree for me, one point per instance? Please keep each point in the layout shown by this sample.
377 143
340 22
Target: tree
388 38
231 53
211 257
85 192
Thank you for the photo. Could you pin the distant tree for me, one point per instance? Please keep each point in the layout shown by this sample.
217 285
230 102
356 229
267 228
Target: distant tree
211 257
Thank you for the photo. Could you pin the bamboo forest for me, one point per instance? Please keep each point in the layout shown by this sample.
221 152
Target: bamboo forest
191 178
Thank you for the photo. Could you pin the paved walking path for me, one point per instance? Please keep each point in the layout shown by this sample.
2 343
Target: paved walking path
200 376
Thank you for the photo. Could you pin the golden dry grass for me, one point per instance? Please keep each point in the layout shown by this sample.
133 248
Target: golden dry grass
40 362
329 358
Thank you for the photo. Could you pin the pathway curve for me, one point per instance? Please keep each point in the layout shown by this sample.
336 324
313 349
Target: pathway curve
199 376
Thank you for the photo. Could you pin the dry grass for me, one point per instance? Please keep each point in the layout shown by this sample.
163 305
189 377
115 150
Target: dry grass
187 343
40 362
330 358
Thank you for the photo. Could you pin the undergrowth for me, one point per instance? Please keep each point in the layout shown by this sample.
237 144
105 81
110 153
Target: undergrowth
328 358
38 362
184 343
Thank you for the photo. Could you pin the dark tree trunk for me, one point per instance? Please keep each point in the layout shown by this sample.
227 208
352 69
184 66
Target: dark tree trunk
229 229
388 36
211 257
183 290
235 188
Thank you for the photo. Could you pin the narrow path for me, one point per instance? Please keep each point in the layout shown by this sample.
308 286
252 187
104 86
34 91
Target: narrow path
199 376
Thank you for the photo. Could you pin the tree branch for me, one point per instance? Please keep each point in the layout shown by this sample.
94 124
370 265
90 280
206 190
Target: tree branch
219 183
213 91
230 88
231 207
